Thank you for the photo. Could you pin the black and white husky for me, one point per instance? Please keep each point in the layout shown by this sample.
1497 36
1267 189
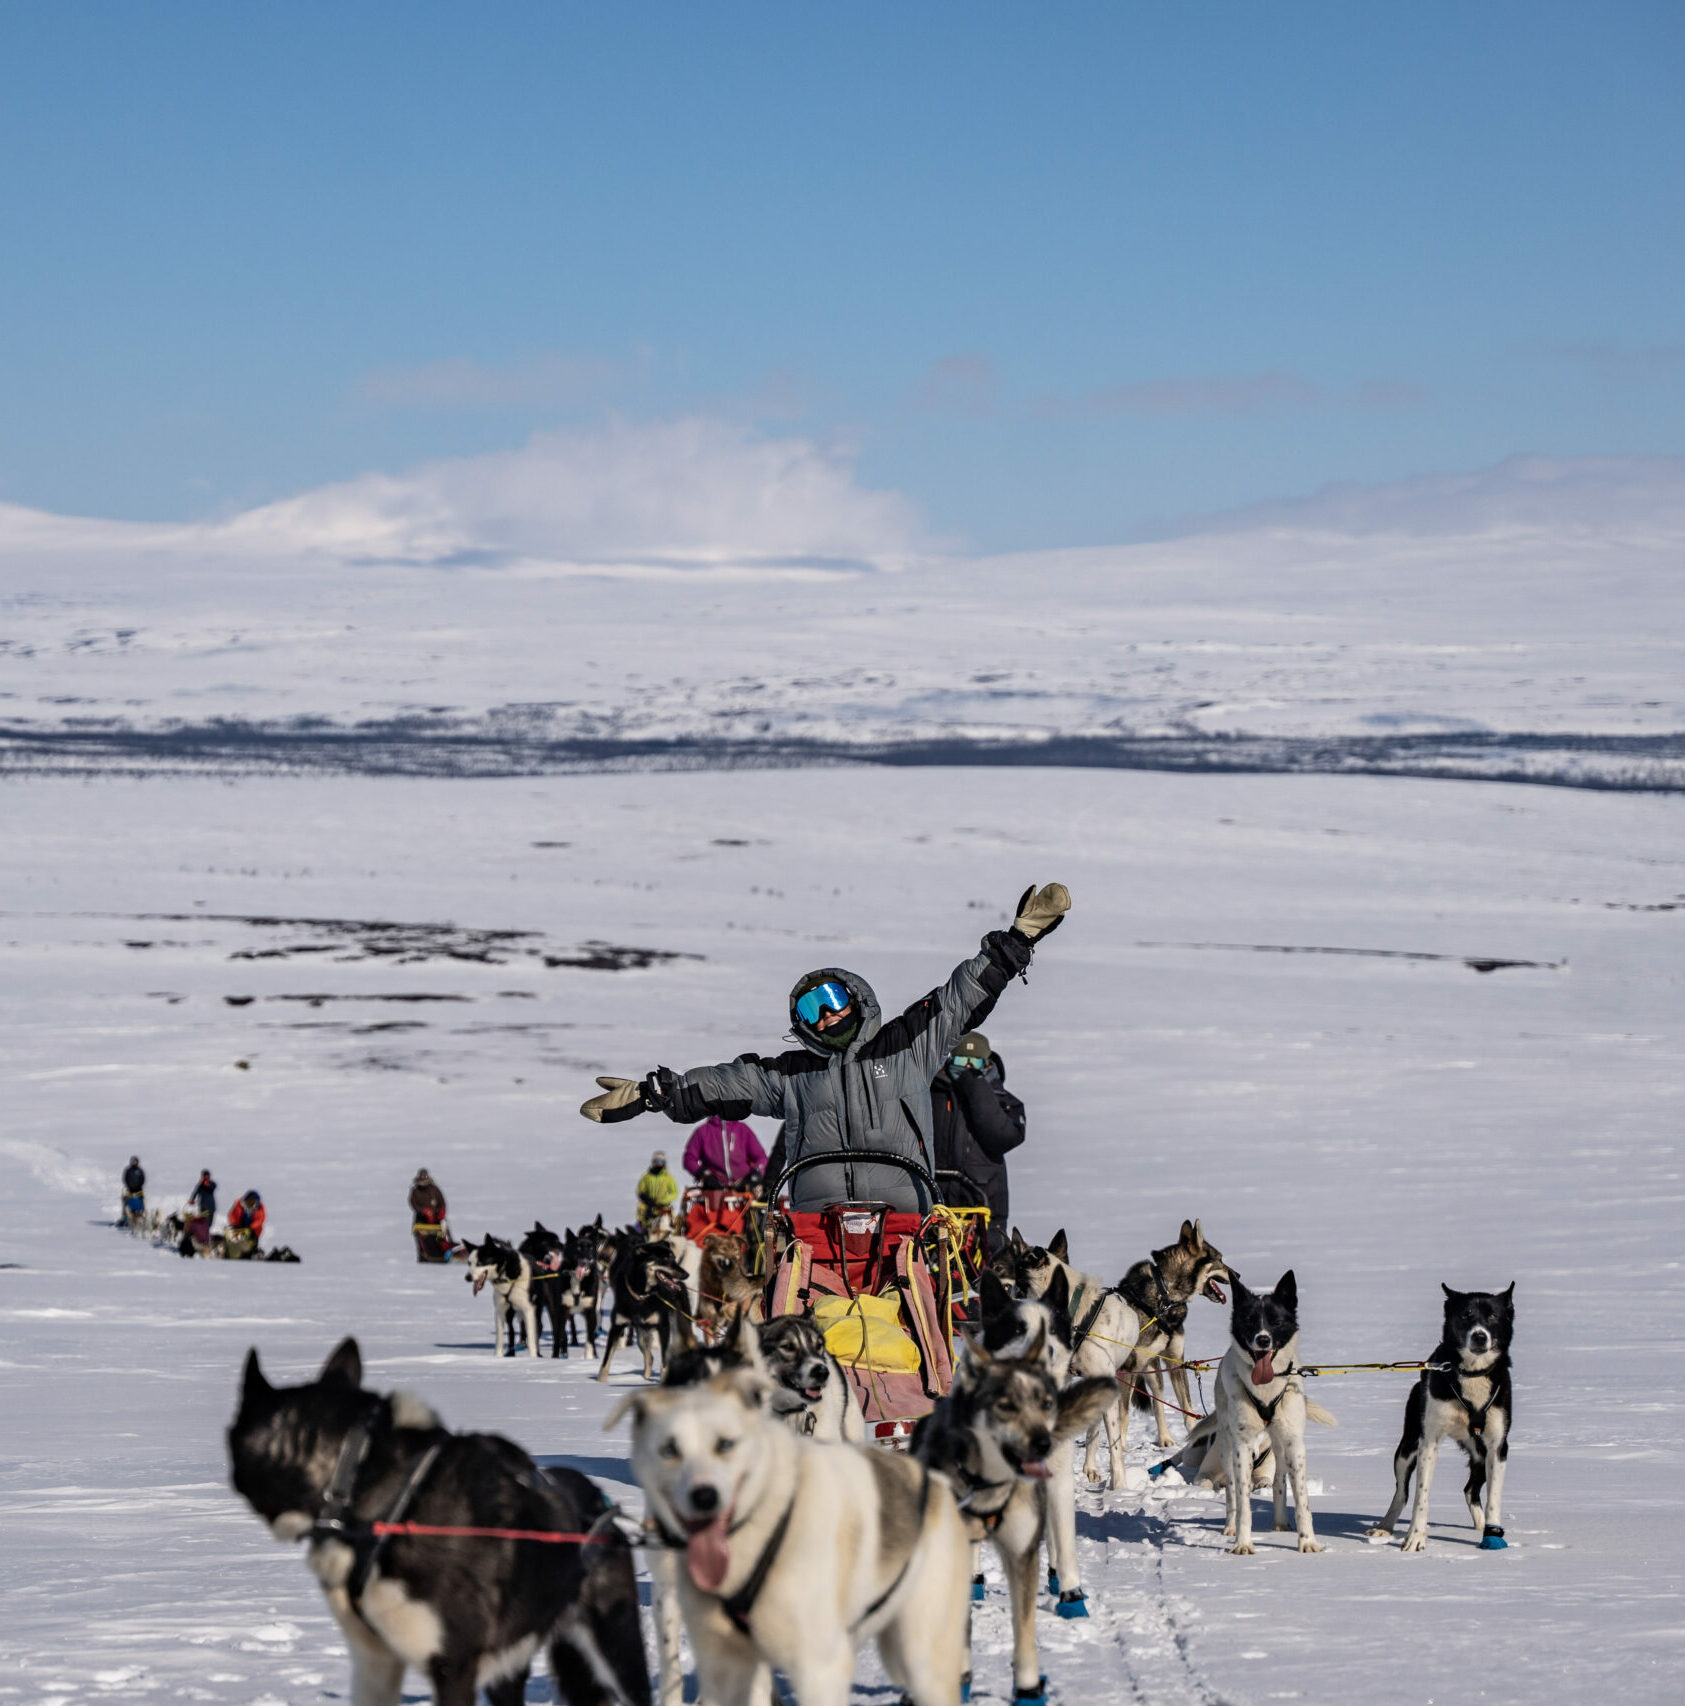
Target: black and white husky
652 1304
1464 1397
812 1393
1260 1408
328 1460
510 1276
993 1436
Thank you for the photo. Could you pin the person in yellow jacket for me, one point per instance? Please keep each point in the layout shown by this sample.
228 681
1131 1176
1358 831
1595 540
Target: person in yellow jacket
658 1190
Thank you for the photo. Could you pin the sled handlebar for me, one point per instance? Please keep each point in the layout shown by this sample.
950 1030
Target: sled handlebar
917 1170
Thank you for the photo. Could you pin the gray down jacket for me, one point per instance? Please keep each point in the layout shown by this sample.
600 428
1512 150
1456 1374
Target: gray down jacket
873 1097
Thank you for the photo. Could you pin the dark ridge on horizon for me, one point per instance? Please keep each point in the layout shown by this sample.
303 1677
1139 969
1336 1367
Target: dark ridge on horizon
421 747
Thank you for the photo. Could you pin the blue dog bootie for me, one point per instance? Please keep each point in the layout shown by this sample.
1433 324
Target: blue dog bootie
1493 1540
1053 1583
965 1689
1073 1602
1030 1696
977 1587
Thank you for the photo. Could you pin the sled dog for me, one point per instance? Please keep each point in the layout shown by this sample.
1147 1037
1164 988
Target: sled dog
1158 1289
796 1552
1102 1336
510 1275
581 1283
722 1284
1260 1409
327 1460
992 1436
545 1250
651 1302
1465 1398
812 1393
1011 1326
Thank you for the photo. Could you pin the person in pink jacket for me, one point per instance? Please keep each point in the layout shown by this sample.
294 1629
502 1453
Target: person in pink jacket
723 1152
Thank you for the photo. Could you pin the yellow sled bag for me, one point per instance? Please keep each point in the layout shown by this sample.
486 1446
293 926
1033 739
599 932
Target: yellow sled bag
866 1332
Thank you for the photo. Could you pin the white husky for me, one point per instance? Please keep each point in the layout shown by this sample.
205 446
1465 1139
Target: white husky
795 1553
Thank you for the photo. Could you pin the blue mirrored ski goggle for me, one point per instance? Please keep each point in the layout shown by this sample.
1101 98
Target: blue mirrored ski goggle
811 1005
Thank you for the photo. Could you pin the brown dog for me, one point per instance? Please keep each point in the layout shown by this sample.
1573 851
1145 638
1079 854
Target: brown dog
724 1286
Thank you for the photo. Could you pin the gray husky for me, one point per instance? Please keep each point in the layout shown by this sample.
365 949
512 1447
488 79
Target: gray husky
993 1436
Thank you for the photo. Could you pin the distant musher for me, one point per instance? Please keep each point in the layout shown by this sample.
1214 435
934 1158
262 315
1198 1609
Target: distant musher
658 1190
200 1212
245 1227
134 1194
857 1086
427 1219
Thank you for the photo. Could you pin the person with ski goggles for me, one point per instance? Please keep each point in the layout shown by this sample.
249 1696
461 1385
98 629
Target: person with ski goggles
856 1084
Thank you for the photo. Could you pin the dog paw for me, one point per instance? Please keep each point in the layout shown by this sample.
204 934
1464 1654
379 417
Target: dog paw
1092 1477
1377 1535
1414 1542
1242 1549
1283 1526
1308 1543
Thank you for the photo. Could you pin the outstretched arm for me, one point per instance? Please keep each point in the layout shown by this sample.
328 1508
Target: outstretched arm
733 1090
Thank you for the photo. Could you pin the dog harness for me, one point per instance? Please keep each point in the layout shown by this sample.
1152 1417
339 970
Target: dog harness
1477 1417
739 1605
333 1521
1087 1325
1266 1412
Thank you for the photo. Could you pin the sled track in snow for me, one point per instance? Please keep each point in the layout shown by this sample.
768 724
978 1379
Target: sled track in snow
506 744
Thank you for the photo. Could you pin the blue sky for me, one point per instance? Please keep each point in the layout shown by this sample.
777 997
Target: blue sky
1058 273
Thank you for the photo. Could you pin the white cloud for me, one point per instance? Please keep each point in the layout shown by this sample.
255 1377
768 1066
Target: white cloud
679 495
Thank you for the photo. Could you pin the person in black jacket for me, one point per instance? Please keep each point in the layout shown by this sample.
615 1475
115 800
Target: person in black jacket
976 1123
134 1192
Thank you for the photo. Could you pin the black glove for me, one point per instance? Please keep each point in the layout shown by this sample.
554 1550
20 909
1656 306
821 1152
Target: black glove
659 1088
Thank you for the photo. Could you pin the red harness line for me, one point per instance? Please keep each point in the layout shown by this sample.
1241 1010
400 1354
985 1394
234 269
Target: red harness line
1197 1415
545 1536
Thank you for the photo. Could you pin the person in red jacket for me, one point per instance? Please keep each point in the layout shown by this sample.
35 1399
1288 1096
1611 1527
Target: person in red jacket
245 1223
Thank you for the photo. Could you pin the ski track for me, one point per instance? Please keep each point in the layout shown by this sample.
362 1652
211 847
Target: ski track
1380 1119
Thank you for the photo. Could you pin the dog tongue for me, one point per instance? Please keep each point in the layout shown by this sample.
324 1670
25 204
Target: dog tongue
1036 1471
709 1553
1263 1370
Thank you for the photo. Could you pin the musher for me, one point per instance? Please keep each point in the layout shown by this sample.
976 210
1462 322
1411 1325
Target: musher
245 1226
200 1212
856 1083
658 1190
134 1194
427 1219
722 1153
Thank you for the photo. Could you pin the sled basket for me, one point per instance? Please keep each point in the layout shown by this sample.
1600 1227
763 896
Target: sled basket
896 1352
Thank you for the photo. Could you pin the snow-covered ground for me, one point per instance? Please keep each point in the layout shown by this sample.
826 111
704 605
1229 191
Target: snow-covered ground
177 978
1527 621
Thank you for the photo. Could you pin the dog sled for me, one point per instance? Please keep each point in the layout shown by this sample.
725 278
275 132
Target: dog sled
879 1282
433 1241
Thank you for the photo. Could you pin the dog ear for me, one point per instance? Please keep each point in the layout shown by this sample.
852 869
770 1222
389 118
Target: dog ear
1056 1246
1189 1239
1081 1405
749 1386
992 1294
345 1365
1450 1295
1038 1345
1018 1243
1286 1291
254 1387
1199 1236
1058 1293
1508 1293
637 1403
976 1351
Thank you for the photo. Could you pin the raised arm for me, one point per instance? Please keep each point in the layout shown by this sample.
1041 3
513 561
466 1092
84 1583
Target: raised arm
934 1024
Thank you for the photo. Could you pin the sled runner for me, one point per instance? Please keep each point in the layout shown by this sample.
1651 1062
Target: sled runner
878 1281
